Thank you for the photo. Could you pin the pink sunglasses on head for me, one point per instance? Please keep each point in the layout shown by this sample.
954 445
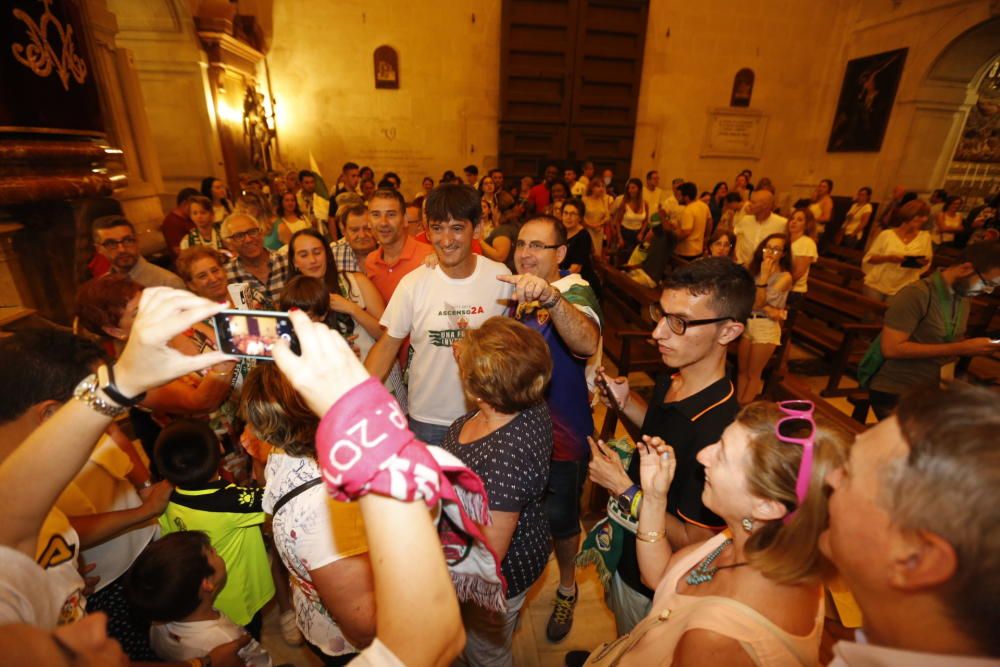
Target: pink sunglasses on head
799 412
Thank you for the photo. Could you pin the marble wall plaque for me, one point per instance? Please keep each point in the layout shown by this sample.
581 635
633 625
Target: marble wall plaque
734 133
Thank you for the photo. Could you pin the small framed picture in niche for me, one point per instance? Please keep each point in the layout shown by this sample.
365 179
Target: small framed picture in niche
386 67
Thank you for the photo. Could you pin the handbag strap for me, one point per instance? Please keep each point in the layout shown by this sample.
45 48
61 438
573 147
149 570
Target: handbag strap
301 488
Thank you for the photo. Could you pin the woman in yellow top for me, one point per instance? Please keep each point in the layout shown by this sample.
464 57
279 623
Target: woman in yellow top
598 203
753 594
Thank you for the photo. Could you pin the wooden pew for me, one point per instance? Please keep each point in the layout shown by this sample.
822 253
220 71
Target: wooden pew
835 272
839 324
627 324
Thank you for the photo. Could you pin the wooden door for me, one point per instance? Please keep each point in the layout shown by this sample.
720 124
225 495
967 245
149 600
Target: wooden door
569 91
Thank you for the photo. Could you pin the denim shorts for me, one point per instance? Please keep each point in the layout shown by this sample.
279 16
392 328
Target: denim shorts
562 498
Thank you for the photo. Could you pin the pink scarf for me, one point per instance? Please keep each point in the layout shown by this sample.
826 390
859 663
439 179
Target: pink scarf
364 446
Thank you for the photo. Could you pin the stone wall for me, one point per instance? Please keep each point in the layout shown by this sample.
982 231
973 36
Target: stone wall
444 114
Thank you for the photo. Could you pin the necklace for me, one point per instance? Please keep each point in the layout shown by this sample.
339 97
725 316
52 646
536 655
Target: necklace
705 572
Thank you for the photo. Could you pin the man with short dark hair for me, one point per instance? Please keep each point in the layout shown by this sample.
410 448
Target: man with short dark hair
913 531
588 173
924 328
393 179
564 309
693 226
576 189
497 175
252 262
655 198
471 175
312 204
539 195
115 239
347 186
434 306
398 252
177 222
703 308
357 240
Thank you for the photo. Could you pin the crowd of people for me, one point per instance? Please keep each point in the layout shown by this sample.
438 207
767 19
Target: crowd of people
398 483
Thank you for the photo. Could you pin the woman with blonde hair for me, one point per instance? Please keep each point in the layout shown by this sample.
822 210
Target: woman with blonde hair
598 216
507 441
753 594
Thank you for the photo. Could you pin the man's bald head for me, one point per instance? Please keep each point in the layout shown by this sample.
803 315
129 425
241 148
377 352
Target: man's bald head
761 203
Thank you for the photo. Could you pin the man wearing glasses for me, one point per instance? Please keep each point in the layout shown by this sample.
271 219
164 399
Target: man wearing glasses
563 308
253 263
115 239
702 309
924 327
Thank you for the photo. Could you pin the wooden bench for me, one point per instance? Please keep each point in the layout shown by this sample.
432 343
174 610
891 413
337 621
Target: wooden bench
627 324
839 324
835 272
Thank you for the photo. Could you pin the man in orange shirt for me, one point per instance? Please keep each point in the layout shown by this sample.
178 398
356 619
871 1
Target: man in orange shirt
398 252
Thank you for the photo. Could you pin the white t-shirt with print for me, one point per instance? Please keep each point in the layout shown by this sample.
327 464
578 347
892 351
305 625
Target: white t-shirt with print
24 592
186 640
58 551
434 311
310 531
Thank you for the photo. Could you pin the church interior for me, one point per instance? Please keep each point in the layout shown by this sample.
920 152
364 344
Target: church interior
114 107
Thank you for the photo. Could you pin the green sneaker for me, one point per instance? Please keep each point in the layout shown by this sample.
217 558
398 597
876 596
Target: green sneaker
561 620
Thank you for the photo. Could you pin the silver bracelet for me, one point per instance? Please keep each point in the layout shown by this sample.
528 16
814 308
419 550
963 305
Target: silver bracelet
86 392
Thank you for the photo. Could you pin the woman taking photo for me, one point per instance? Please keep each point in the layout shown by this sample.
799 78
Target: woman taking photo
289 221
598 206
507 441
320 541
772 268
753 594
898 256
205 231
631 217
822 205
355 302
579 247
215 190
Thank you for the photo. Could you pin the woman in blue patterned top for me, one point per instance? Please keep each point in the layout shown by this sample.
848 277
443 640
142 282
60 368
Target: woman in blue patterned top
507 441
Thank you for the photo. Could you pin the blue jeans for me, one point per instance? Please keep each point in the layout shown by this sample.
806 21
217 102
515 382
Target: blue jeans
430 434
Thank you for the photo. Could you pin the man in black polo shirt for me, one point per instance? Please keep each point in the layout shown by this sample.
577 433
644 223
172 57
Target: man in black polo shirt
702 309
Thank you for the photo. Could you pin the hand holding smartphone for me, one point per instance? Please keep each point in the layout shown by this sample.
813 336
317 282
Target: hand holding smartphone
253 333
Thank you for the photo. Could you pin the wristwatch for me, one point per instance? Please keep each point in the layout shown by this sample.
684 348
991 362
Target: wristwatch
625 499
106 381
86 391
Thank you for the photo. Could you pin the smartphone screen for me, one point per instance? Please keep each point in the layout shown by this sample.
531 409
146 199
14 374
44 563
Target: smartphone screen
253 333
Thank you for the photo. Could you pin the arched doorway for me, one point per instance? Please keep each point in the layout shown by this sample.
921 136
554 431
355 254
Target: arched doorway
942 103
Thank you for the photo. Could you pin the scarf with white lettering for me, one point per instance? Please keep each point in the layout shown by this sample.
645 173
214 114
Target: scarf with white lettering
364 446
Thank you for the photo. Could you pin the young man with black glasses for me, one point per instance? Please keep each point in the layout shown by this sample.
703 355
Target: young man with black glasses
115 239
702 309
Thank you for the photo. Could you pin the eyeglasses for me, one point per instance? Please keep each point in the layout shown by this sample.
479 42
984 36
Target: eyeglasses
774 251
240 237
988 286
535 245
111 244
678 324
799 413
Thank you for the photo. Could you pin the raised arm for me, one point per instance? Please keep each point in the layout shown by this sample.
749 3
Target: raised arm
36 473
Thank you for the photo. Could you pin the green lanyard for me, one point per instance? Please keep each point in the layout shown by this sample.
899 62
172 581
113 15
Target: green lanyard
943 300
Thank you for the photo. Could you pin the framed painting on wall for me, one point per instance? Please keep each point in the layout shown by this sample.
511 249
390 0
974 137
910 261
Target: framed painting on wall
865 104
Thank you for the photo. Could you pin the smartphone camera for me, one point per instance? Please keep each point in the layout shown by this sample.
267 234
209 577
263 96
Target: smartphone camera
253 333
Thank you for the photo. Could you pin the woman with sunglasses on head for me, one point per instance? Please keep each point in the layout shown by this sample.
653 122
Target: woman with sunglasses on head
753 594
771 267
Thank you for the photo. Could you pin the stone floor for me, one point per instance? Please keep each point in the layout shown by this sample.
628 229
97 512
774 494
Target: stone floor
593 623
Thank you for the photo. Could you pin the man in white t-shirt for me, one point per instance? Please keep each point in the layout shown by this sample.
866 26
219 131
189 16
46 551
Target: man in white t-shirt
434 307
654 196
757 225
